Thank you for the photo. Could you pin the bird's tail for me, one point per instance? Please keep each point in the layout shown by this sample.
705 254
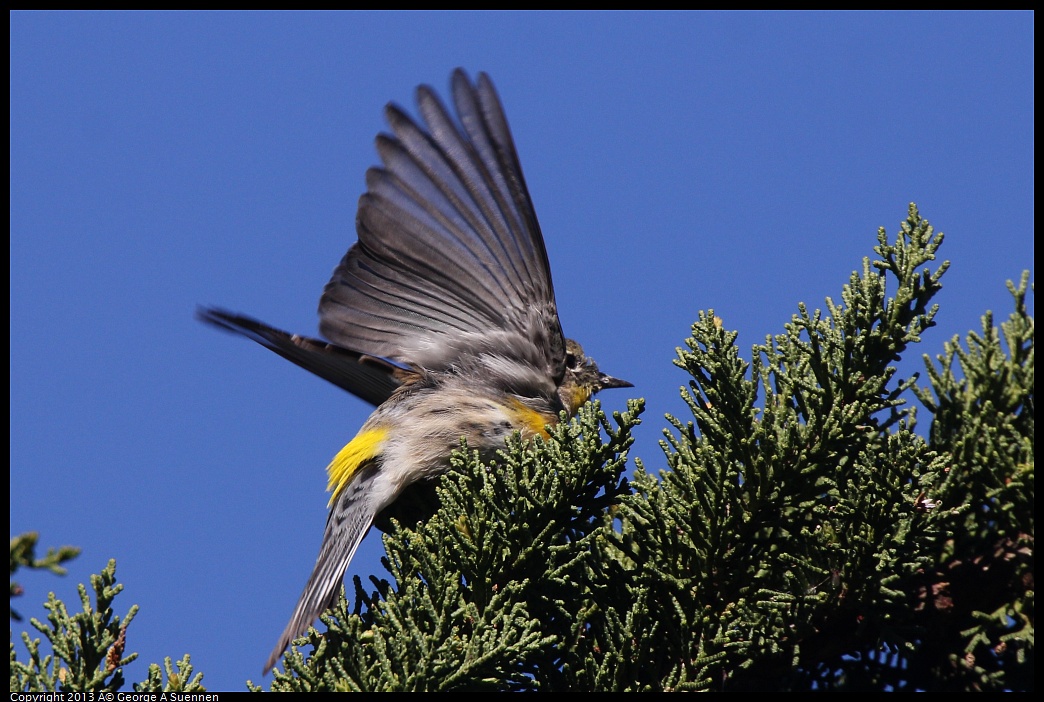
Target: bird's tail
349 520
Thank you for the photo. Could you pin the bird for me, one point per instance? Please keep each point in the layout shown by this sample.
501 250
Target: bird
442 315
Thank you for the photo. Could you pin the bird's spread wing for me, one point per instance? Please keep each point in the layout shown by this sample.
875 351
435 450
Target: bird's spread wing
450 260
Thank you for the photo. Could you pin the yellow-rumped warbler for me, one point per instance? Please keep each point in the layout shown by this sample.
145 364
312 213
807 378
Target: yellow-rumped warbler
442 314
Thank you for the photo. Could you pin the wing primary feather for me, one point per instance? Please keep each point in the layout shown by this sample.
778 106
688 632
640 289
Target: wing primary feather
440 159
499 174
450 259
466 160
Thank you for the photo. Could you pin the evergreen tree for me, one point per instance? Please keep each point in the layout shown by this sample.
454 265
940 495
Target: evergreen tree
804 536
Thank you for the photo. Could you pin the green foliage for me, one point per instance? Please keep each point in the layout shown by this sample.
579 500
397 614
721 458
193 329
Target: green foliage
787 536
167 679
815 542
87 648
803 535
978 597
23 555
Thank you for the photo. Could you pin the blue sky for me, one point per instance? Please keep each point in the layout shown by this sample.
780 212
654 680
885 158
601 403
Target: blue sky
678 162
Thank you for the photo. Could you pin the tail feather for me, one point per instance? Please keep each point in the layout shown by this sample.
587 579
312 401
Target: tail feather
349 520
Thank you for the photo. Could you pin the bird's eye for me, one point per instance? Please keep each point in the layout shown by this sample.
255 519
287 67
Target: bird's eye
570 360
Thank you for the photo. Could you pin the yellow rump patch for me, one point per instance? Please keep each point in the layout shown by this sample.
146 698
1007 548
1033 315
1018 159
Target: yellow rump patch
345 465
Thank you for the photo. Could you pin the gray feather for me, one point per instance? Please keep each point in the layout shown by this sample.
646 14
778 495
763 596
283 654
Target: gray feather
347 524
449 245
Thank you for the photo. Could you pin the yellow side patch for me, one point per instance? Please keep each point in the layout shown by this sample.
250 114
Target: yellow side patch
365 446
577 397
529 421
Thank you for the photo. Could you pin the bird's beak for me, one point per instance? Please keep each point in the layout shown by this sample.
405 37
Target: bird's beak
607 381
